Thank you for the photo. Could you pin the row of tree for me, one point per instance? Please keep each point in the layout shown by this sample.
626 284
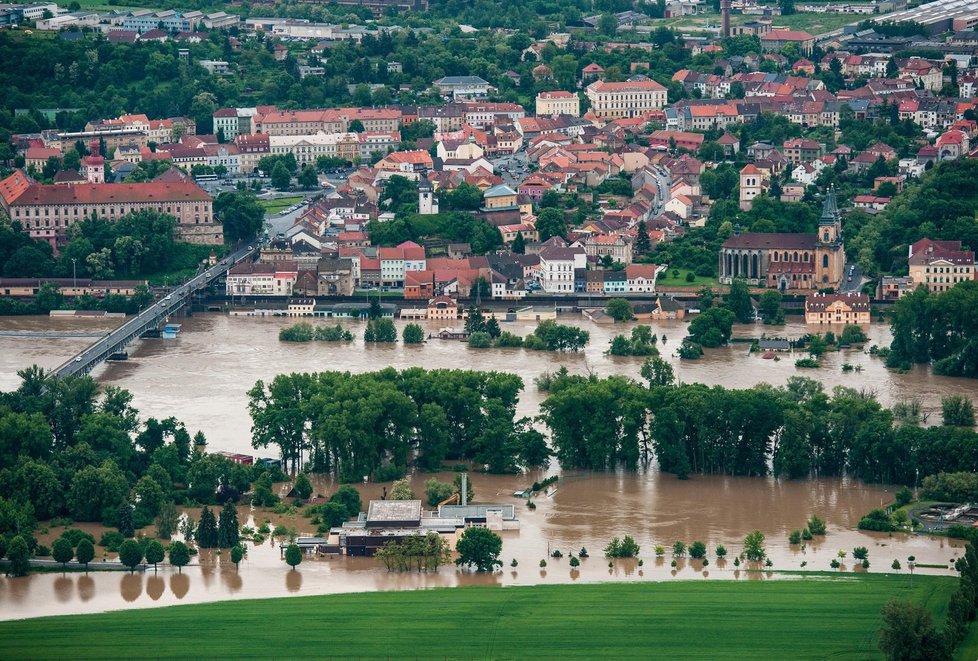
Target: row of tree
357 424
797 430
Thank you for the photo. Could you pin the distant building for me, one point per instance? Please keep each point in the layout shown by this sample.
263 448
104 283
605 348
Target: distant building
463 87
558 103
837 309
788 261
775 40
427 202
939 265
442 308
274 279
627 99
46 211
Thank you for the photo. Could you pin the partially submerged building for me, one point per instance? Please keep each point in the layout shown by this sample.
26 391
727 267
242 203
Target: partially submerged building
394 520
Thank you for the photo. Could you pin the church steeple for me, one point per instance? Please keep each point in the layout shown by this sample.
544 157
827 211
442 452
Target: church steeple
830 210
830 223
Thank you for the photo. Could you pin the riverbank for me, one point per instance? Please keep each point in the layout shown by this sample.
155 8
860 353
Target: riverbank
812 616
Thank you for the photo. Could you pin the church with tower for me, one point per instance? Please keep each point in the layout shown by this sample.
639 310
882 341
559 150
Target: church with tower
805 262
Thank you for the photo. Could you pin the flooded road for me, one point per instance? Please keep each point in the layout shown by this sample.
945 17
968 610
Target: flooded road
203 375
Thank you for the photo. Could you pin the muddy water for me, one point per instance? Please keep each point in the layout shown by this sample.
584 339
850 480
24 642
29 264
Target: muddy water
202 376
583 510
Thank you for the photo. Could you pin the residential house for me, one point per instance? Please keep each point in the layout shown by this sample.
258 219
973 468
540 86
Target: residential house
557 266
258 279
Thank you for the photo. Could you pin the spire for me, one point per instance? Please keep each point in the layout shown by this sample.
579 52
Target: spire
830 210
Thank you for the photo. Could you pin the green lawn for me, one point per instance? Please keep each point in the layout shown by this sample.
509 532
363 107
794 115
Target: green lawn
810 22
818 23
667 279
820 616
274 206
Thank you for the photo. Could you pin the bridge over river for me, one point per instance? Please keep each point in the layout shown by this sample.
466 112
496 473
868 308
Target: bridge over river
152 319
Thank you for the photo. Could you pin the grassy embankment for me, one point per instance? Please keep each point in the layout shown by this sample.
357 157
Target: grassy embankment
820 616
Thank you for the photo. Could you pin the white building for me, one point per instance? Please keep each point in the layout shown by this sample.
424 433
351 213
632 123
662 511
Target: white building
274 279
557 268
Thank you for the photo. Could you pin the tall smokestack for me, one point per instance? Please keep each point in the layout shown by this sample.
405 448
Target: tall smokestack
725 16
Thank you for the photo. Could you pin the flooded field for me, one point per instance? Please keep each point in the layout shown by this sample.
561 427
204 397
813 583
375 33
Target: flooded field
585 510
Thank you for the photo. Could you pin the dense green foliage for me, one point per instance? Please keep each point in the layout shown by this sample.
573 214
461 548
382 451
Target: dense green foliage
139 244
626 547
957 487
840 613
354 424
69 448
415 553
641 343
456 226
306 332
479 548
798 429
941 207
712 328
938 329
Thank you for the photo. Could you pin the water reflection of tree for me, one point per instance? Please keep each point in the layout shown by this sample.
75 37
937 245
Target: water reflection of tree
293 581
64 589
155 586
86 587
179 585
232 580
131 586
208 561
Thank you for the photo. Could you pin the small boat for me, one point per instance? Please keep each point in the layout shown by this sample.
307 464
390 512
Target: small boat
119 355
170 331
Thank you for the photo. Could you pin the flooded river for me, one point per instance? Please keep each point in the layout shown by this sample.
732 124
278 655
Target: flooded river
202 377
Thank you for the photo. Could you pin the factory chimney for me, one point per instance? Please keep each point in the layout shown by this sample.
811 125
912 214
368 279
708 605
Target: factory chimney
725 16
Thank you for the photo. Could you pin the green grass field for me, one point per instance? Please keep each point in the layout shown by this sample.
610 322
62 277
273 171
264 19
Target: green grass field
817 617
272 207
668 279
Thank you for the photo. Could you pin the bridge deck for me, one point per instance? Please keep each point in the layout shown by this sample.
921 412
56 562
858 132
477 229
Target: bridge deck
149 319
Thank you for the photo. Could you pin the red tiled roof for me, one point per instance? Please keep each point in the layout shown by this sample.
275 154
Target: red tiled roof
112 193
787 35
639 85
769 241
14 186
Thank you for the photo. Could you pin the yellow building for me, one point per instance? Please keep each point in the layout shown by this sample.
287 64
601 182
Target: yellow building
627 99
500 196
442 307
837 309
939 265
558 103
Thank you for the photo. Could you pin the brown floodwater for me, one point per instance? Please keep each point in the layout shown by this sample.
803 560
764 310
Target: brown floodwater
582 510
202 376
